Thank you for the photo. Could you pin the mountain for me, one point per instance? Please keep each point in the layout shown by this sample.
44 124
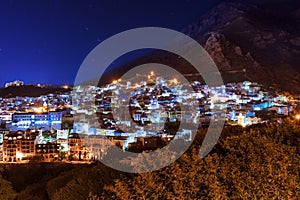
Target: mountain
248 40
257 40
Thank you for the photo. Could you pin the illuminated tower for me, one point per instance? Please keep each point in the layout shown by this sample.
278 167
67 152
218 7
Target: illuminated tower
241 120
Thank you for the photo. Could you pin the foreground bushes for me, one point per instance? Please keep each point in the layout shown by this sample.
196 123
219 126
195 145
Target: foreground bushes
263 162
260 162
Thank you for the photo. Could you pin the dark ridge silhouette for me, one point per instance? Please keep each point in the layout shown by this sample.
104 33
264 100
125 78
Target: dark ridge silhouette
31 90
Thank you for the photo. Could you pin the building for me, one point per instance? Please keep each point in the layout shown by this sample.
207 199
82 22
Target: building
96 146
280 109
117 141
16 83
62 139
24 121
28 144
148 142
48 152
6 116
75 145
18 146
12 144
241 120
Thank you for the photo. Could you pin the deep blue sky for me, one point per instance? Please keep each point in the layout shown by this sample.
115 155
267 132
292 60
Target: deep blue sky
45 41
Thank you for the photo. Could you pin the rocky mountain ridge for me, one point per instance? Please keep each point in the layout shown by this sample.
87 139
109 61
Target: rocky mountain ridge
255 42
246 43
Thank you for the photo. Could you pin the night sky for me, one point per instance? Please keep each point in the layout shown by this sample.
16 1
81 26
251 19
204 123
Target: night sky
46 41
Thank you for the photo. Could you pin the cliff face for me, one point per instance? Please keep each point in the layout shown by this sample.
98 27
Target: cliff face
253 42
234 63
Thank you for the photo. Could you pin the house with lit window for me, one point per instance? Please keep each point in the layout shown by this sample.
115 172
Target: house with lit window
12 145
28 144
75 144
96 146
48 152
18 146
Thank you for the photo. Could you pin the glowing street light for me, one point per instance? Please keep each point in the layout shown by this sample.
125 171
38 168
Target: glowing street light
297 117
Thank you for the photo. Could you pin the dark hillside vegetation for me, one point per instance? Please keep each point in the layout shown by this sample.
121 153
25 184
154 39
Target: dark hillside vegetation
247 163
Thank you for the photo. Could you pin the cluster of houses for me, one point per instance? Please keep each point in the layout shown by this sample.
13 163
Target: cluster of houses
42 103
63 146
155 102
138 117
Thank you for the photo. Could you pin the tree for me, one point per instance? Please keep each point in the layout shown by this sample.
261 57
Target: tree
260 163
6 190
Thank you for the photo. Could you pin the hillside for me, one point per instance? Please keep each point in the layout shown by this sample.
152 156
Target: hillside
256 42
30 90
254 39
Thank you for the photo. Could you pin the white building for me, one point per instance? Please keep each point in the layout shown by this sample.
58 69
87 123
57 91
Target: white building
16 83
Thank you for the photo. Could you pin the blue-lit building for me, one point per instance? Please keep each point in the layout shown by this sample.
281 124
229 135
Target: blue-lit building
262 105
46 121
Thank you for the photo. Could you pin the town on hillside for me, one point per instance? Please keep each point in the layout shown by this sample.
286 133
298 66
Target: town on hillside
80 126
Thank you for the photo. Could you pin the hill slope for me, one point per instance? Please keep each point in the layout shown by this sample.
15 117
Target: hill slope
252 42
30 90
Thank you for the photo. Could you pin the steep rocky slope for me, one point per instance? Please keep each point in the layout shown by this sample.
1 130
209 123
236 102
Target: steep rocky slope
252 42
258 42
